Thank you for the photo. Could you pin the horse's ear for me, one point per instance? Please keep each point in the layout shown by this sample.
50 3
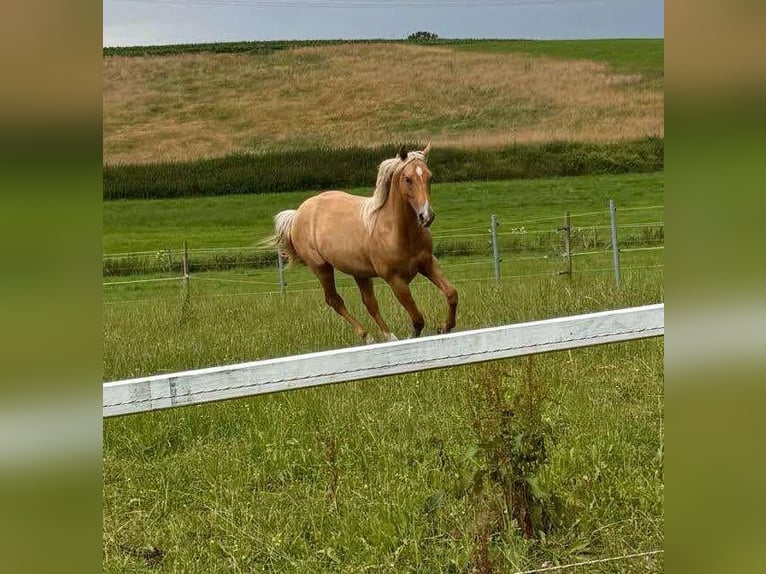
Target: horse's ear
427 150
403 152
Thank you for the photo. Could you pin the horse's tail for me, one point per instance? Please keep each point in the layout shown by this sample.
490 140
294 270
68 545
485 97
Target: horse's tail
282 237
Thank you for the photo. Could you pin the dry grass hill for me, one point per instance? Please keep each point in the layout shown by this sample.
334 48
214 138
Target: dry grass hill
190 106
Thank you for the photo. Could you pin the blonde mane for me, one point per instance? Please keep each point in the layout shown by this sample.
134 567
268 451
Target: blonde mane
372 205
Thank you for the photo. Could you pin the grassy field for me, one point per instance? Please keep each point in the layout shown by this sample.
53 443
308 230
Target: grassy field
638 56
184 107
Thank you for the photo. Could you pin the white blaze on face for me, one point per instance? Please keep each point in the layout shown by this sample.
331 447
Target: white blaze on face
419 171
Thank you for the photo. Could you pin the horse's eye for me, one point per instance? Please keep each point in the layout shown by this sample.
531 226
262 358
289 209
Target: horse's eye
408 180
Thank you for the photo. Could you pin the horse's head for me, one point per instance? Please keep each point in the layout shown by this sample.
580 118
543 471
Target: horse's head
414 183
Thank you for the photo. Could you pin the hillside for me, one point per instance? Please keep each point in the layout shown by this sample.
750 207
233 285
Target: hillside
187 106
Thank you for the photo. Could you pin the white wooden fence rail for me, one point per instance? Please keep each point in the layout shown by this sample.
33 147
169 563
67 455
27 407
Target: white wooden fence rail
363 362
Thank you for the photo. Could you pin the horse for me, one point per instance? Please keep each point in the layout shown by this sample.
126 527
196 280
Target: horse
386 235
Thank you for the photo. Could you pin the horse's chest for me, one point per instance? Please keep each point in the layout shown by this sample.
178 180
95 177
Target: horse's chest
408 265
402 256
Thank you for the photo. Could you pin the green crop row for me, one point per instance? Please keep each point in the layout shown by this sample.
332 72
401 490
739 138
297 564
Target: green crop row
264 46
327 168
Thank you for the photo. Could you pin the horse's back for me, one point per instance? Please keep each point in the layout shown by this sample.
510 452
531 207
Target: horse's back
330 208
334 200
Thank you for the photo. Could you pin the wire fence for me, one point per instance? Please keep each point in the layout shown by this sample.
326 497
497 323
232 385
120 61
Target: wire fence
347 281
497 247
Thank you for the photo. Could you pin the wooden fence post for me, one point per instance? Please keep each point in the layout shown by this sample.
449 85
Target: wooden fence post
495 248
615 246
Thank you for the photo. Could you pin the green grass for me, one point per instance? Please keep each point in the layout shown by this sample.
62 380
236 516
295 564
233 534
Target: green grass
243 220
327 168
644 56
243 485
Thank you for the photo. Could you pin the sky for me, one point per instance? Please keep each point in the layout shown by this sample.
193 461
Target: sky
149 22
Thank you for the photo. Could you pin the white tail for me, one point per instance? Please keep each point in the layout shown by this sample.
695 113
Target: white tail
281 239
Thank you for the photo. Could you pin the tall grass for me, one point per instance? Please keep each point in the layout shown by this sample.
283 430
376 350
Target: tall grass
329 168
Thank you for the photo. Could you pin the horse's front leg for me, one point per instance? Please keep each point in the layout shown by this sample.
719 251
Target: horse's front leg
433 272
401 289
368 298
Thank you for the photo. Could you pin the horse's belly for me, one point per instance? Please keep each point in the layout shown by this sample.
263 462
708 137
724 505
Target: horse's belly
351 263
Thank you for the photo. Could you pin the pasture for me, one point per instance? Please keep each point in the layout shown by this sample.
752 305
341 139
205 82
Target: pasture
392 474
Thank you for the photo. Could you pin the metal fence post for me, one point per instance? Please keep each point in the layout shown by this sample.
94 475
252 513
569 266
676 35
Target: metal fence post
184 281
186 268
281 264
567 246
495 248
615 246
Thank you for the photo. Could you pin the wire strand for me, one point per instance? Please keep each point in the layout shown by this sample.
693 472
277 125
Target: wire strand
642 249
197 277
588 562
642 208
142 281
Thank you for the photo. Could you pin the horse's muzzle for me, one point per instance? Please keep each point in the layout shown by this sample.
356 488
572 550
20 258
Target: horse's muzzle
426 215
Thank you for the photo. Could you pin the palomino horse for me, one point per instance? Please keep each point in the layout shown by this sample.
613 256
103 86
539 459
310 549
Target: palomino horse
385 236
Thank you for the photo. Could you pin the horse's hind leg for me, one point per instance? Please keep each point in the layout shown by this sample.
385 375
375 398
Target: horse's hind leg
368 298
326 274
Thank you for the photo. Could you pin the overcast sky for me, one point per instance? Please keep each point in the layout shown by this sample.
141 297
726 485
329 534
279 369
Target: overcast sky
142 22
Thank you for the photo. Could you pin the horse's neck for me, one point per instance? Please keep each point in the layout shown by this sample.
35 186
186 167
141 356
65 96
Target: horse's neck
399 215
